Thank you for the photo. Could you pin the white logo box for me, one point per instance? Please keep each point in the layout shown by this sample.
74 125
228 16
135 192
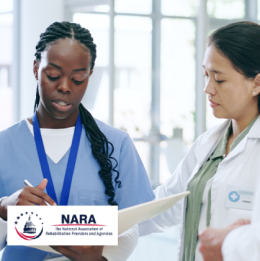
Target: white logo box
62 225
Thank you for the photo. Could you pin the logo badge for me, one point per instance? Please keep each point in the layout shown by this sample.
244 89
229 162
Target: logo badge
62 225
29 226
233 196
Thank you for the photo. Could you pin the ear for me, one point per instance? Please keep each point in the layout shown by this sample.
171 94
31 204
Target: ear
256 88
91 72
35 69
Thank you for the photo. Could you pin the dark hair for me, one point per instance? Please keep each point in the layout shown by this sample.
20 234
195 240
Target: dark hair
240 43
102 149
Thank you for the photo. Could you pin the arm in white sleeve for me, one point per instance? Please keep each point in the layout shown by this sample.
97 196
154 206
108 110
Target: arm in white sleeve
3 231
242 244
148 227
127 242
177 183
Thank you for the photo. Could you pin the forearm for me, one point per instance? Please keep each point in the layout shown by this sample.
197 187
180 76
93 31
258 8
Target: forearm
3 233
126 245
3 210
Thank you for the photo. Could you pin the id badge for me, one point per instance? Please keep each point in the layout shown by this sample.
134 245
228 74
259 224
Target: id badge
239 198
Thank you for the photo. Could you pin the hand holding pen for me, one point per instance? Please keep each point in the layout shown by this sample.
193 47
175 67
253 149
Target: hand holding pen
41 187
27 196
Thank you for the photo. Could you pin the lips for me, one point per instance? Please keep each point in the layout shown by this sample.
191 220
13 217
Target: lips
61 105
213 104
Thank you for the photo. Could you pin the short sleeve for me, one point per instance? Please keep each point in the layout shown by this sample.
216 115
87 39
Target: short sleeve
135 185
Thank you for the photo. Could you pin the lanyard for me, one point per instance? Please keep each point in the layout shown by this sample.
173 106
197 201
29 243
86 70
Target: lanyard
70 165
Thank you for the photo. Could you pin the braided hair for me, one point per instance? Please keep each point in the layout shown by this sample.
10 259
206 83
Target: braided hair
102 149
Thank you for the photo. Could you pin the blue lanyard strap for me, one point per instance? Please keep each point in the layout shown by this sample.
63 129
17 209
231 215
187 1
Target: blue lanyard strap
70 165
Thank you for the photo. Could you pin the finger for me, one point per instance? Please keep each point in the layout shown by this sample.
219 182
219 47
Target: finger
25 203
81 249
75 249
25 200
39 194
206 253
86 249
204 233
29 198
43 184
244 221
201 248
44 196
239 223
64 251
203 240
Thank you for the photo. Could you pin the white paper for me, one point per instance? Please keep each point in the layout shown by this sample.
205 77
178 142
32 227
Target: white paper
129 217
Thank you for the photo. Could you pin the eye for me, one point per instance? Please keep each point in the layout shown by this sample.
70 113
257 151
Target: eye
77 82
53 78
219 81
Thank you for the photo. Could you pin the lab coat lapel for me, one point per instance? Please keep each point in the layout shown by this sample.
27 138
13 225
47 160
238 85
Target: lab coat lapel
209 143
207 146
202 154
254 133
237 150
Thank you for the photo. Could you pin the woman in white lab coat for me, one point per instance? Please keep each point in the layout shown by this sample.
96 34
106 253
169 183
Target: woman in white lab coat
221 168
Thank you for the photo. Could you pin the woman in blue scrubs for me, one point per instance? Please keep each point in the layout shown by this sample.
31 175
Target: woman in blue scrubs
106 169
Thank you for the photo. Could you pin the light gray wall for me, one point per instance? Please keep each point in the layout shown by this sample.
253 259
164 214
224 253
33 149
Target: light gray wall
35 16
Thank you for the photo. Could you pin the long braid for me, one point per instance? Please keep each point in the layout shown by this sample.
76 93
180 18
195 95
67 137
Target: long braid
102 149
37 99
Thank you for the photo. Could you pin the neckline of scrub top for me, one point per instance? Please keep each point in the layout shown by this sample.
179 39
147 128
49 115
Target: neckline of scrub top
57 142
51 132
70 165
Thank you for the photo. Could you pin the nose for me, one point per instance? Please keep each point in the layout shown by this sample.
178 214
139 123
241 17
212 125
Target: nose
209 87
64 86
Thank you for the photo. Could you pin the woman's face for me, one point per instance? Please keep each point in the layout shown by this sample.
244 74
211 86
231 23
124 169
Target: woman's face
229 92
63 74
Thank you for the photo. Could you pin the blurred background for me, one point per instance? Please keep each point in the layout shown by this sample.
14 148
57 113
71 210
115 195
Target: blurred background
148 78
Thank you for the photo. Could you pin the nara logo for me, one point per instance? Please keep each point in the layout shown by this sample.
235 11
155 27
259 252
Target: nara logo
29 226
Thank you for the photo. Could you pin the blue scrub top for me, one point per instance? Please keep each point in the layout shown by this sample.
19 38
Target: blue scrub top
19 161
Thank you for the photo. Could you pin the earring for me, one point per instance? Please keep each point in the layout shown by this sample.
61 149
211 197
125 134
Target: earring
253 93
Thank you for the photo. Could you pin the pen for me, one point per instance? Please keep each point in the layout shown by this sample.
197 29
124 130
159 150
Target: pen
27 183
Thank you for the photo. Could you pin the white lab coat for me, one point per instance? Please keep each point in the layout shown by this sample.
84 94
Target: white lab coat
239 169
243 244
